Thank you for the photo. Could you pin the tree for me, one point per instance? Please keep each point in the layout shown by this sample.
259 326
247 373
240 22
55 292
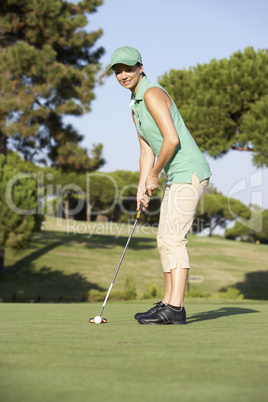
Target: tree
77 159
48 65
260 220
19 197
256 123
216 210
72 173
225 103
78 195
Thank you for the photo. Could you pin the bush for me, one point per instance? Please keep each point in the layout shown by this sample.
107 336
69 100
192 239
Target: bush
129 293
130 288
94 295
196 293
152 291
230 293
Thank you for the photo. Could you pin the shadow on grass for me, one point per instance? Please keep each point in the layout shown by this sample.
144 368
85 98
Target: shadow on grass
104 241
23 282
254 287
28 259
46 284
58 239
49 283
222 312
99 240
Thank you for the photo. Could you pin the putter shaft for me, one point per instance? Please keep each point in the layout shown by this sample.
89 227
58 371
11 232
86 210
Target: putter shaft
121 259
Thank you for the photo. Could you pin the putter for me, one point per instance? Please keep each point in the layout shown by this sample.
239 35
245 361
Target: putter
98 319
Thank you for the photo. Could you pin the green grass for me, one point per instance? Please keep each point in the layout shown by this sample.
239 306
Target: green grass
61 266
49 352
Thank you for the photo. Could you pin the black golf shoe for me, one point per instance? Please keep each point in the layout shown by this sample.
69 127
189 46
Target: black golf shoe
151 311
165 315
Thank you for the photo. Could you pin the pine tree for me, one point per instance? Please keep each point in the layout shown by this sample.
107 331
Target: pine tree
224 103
19 197
216 210
48 67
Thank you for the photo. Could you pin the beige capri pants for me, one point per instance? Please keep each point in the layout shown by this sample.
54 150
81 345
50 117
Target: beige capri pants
177 213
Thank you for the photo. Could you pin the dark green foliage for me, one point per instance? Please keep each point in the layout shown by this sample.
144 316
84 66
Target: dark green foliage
16 228
224 103
130 288
259 220
152 292
95 295
256 123
129 292
48 65
19 195
216 210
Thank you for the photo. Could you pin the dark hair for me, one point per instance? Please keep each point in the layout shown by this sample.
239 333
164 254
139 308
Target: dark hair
139 65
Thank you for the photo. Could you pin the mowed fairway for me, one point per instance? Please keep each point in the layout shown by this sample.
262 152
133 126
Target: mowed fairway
50 352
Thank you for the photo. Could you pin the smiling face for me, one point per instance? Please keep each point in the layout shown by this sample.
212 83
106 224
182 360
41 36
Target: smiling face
128 76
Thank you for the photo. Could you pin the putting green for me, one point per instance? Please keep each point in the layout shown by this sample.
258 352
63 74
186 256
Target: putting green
50 352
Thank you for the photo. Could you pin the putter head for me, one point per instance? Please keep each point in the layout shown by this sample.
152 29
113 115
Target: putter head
92 321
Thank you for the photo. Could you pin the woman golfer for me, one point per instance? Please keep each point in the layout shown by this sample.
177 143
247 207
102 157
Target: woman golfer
163 135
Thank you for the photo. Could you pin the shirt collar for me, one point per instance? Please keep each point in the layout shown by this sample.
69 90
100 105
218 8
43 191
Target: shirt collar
140 92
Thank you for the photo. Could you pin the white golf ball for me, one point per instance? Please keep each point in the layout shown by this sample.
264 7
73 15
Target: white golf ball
97 319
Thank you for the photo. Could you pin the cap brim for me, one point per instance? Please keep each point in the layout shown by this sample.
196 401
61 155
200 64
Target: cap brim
123 61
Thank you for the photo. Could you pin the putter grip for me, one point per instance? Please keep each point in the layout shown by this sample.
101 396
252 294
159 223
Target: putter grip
142 206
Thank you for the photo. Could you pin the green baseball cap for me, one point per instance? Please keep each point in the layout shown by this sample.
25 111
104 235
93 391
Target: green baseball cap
125 55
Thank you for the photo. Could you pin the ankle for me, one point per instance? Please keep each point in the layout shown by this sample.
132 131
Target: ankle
176 308
165 300
176 303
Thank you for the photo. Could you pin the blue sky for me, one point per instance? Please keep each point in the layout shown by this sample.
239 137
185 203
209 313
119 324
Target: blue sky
173 34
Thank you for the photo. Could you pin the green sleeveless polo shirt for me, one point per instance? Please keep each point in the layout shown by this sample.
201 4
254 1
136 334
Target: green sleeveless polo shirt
187 159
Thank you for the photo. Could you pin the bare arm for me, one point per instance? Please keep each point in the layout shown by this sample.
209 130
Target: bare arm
147 159
158 103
